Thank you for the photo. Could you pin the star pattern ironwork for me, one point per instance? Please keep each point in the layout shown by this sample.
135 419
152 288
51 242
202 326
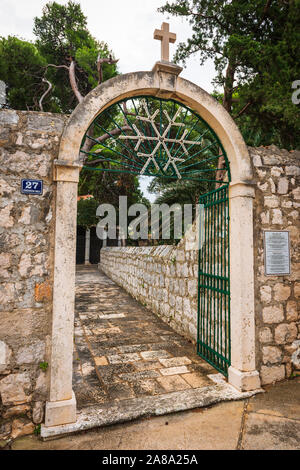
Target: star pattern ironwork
160 140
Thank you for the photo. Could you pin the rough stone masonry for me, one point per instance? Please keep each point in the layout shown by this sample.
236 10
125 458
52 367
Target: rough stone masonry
28 145
163 277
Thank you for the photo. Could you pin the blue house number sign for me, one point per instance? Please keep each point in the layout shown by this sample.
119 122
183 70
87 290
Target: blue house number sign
32 187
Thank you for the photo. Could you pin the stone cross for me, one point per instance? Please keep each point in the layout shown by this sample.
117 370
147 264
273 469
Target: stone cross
165 37
2 94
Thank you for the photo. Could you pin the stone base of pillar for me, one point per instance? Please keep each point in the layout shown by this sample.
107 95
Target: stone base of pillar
61 412
244 381
87 263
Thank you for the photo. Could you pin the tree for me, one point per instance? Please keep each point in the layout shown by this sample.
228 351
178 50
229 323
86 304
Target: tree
254 46
21 68
86 212
76 62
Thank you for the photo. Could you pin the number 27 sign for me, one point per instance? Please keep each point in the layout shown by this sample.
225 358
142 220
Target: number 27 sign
32 186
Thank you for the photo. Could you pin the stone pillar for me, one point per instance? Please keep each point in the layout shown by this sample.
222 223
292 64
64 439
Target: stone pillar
87 246
242 373
61 409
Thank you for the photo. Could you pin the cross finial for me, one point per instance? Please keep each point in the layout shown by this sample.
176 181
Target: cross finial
165 37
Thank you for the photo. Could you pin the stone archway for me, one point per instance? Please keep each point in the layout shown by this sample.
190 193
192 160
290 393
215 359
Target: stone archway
163 82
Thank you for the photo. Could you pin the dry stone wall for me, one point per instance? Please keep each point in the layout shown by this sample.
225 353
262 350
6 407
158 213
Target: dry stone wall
165 278
28 144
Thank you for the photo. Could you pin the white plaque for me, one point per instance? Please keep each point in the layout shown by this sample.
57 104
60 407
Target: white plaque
277 253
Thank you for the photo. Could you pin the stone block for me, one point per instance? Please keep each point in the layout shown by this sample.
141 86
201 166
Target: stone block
283 186
297 290
16 411
61 412
266 294
33 353
46 122
256 160
292 170
174 370
273 314
271 201
173 383
123 358
292 310
14 389
276 171
277 217
43 292
281 291
6 220
265 218
286 333
271 355
271 160
8 116
296 193
101 361
175 361
155 355
265 335
244 381
272 374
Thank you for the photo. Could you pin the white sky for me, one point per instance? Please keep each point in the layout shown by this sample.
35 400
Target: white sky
126 25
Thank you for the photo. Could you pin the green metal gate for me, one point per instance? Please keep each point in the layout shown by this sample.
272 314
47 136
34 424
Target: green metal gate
213 342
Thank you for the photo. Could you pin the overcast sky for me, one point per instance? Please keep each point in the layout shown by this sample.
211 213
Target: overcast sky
126 25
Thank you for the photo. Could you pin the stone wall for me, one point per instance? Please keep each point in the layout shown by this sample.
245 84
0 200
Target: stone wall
28 144
276 207
165 278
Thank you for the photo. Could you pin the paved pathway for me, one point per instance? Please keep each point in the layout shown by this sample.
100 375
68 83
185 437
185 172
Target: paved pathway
124 351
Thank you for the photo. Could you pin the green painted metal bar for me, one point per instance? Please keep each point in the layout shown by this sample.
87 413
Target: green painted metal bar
213 338
115 140
122 131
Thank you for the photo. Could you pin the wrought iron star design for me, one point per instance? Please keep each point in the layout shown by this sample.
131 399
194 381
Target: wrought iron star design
161 139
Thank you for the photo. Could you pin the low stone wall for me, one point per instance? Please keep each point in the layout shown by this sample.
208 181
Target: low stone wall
28 144
165 278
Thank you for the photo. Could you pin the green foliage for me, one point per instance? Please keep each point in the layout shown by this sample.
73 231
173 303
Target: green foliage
21 68
255 48
61 31
44 366
86 212
62 36
37 430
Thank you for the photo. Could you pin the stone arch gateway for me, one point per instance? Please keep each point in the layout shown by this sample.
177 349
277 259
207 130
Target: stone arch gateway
163 82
